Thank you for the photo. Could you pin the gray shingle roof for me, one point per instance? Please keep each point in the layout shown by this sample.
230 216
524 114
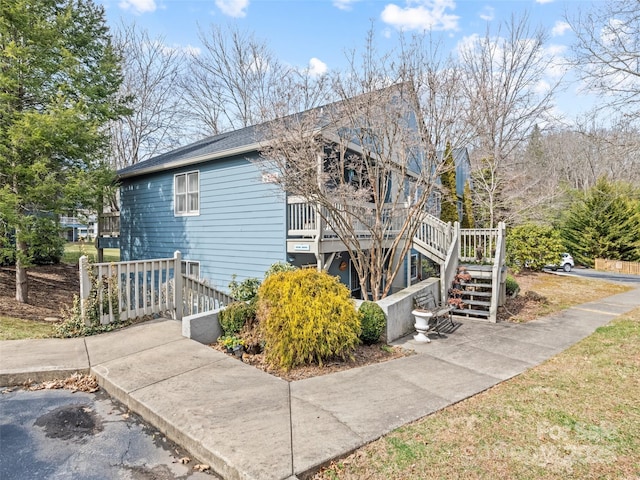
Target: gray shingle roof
207 147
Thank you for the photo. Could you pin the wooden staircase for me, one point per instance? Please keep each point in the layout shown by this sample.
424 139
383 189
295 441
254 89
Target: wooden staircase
475 293
450 246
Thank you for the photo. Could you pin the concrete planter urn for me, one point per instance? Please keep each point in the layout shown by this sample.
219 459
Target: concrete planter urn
422 325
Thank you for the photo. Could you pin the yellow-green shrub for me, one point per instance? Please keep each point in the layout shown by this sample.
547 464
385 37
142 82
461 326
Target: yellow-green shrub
306 316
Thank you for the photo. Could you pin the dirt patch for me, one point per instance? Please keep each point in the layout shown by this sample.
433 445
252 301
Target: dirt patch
51 289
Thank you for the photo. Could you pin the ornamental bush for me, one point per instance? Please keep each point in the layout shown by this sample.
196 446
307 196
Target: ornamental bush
279 267
306 316
244 291
533 246
233 318
511 286
373 322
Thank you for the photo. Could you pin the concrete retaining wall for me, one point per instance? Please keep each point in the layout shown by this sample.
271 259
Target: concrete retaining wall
202 327
397 307
205 328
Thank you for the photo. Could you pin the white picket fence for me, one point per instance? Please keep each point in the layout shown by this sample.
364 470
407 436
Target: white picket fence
127 290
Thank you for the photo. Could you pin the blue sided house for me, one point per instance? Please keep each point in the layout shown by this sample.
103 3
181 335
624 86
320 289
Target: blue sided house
212 201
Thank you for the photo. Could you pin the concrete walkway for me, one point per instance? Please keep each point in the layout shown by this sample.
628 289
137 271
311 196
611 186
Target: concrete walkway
249 425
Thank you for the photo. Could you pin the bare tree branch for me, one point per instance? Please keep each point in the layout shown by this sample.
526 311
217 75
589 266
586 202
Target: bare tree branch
607 53
151 72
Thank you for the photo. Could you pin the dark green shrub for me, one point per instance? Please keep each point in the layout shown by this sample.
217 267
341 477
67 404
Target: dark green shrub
603 222
233 318
373 322
244 291
511 286
306 316
533 246
279 267
44 240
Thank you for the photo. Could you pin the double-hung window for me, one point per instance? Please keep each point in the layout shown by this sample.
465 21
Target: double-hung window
186 194
414 266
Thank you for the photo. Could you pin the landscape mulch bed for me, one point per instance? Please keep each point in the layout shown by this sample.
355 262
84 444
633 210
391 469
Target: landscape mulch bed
51 290
363 355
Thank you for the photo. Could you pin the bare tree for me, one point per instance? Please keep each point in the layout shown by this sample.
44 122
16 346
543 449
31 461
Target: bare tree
607 53
151 72
234 82
502 73
369 161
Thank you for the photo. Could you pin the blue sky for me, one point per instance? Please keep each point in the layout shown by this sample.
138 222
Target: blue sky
315 33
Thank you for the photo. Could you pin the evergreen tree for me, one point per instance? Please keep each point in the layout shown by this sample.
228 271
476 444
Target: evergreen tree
58 78
449 207
535 147
603 222
468 220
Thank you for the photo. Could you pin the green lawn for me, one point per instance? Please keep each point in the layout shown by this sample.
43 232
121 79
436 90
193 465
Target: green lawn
575 416
73 252
16 329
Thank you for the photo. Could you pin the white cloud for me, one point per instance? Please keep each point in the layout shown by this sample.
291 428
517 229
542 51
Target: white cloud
560 28
542 87
317 67
188 49
421 15
343 4
544 1
233 8
487 14
138 6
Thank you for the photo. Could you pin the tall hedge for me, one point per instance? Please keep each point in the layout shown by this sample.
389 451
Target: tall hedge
534 246
603 222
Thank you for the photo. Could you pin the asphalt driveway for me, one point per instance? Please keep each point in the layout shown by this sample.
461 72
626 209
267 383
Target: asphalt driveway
48 434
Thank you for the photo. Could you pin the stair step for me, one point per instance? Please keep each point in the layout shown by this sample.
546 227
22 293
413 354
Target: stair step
475 293
469 312
476 284
478 303
470 267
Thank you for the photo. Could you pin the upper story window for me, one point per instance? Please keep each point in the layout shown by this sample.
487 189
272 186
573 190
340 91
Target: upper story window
186 193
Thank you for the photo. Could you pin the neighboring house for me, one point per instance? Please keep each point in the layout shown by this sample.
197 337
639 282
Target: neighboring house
75 229
211 201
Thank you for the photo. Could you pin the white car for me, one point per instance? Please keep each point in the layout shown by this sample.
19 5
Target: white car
566 263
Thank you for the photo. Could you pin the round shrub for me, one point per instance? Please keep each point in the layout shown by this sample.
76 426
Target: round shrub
373 322
306 316
244 291
511 286
233 318
279 267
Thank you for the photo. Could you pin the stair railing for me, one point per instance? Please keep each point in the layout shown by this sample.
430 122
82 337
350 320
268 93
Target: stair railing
435 236
497 274
450 267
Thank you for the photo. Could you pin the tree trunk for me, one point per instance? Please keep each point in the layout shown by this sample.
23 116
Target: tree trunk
22 285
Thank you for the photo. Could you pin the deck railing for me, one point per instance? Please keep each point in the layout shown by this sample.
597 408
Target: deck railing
305 219
109 224
478 244
126 290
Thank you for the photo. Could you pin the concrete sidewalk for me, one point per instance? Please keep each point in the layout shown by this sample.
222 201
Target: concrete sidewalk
249 425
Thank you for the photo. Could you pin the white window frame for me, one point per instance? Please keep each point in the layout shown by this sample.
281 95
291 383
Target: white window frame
187 212
186 268
414 263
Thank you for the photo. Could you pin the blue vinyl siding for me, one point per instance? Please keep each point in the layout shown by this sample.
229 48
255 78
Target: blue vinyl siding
241 228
